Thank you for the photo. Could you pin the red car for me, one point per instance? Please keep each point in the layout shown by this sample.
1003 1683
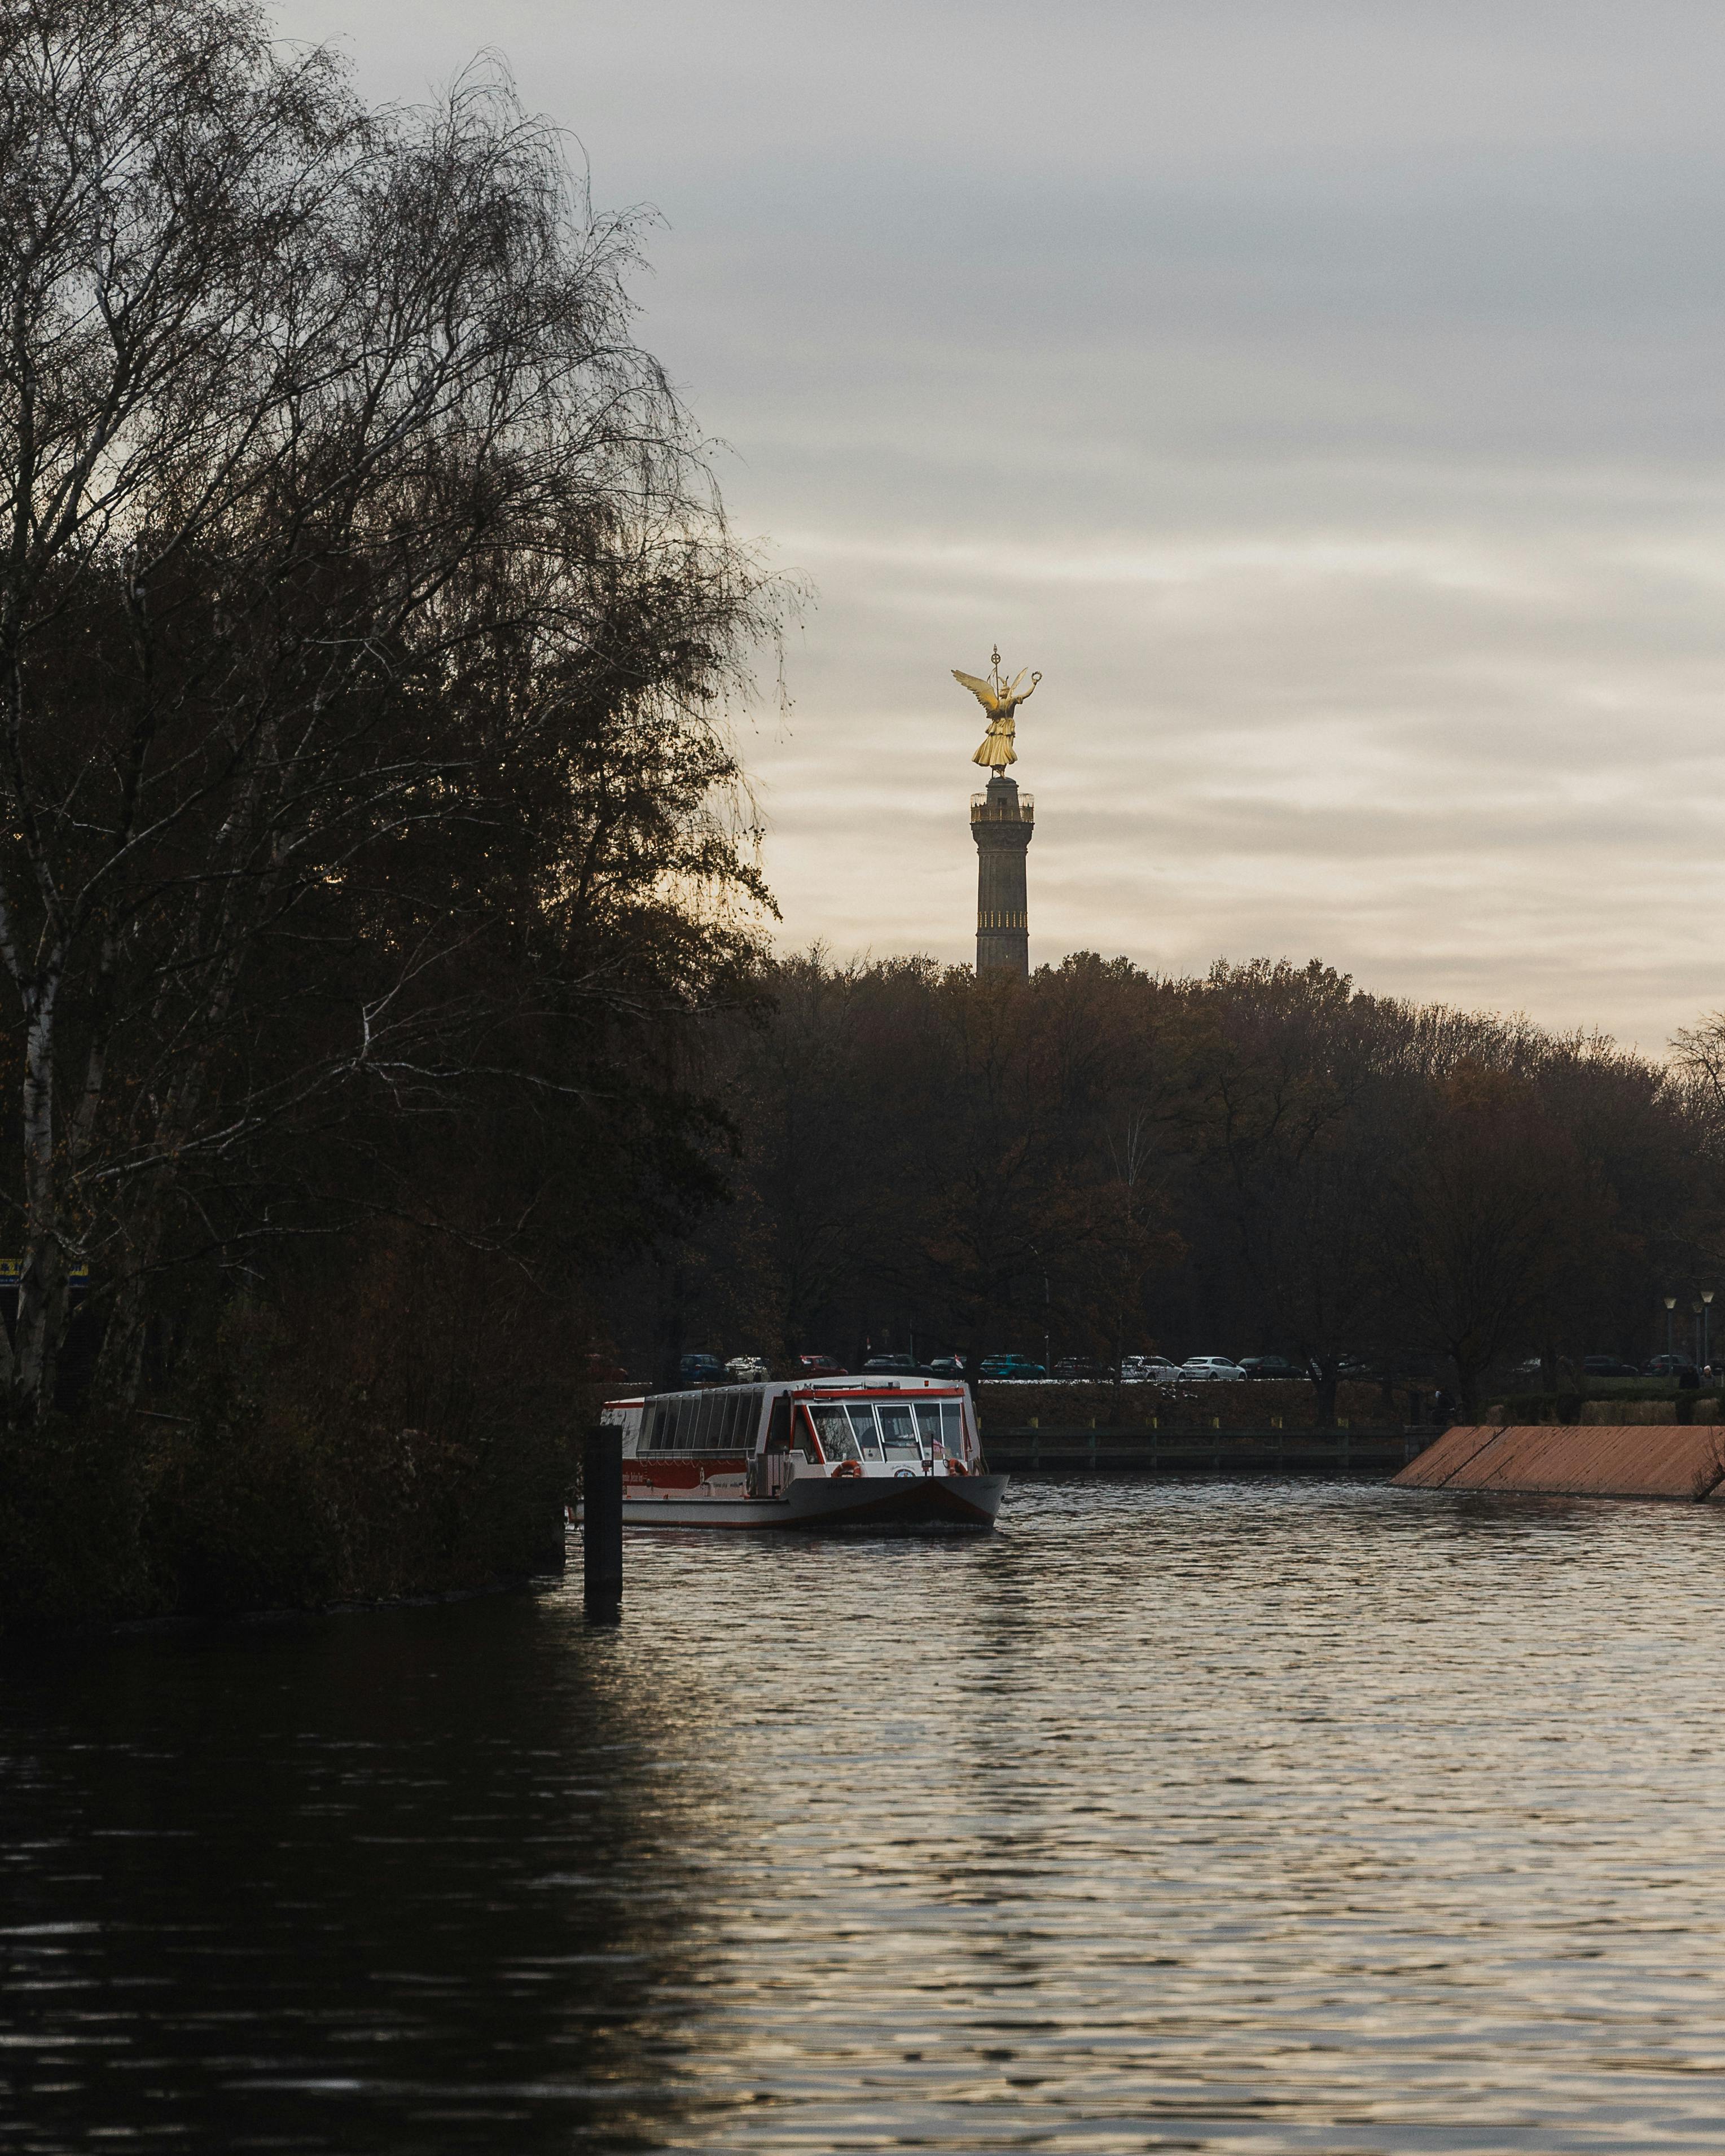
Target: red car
821 1366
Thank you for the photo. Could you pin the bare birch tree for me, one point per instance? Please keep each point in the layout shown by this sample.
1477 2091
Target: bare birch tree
363 609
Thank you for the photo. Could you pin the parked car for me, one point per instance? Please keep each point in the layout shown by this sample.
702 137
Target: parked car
821 1366
748 1370
1217 1366
1079 1369
701 1370
1532 1371
901 1366
1149 1370
1271 1365
1669 1366
947 1366
605 1367
1004 1367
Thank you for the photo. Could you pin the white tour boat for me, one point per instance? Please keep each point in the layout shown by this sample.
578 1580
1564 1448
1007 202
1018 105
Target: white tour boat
816 1452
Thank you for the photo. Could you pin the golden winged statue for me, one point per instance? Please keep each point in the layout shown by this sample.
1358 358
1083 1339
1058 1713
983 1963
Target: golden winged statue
999 698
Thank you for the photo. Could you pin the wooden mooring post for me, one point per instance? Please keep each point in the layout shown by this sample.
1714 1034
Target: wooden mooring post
601 1522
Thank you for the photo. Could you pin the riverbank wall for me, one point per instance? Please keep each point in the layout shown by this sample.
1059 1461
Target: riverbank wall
1258 1404
1182 1452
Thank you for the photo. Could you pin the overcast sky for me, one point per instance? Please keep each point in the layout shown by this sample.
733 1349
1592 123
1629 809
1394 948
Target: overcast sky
1328 396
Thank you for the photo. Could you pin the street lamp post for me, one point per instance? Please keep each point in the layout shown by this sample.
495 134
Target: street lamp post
1695 1330
1047 1299
1706 1312
1670 1304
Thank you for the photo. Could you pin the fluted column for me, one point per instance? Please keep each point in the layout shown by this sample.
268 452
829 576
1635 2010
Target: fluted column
1002 821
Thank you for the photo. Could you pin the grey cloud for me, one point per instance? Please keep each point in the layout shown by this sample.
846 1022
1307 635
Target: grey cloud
1328 398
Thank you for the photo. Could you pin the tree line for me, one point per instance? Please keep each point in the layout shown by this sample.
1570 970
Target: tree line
1267 1159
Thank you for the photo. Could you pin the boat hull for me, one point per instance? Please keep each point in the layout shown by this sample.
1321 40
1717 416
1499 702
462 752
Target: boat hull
816 1504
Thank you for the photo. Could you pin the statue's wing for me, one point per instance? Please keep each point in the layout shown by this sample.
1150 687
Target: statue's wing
982 690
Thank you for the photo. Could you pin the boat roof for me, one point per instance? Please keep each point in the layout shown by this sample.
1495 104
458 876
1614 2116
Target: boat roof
864 1381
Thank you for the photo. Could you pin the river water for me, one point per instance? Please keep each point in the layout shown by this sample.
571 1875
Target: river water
1310 1817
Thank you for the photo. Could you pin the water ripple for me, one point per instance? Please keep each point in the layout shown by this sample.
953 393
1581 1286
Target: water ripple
1293 1819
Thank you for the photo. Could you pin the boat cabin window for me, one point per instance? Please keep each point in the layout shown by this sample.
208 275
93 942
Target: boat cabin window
898 1429
863 1429
893 1429
942 1424
778 1426
702 1422
832 1427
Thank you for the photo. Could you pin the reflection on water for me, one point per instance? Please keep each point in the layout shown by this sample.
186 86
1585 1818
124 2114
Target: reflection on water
1290 1819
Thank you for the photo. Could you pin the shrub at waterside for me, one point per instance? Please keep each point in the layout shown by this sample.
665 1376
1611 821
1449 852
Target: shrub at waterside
289 1476
101 1522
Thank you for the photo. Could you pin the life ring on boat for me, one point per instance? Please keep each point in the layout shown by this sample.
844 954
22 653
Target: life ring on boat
957 1467
847 1468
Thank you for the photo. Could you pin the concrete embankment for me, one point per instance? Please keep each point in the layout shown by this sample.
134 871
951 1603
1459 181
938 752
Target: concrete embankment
1183 1450
1193 1404
1620 1459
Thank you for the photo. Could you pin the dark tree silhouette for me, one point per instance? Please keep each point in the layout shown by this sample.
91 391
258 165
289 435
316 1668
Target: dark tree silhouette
366 624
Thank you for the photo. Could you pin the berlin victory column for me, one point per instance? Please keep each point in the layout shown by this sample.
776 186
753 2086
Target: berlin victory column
1002 821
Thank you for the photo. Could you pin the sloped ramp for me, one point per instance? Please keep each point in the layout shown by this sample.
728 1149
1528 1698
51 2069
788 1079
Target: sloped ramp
1445 1457
1596 1460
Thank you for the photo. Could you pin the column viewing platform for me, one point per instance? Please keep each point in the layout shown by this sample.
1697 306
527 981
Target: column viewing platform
984 810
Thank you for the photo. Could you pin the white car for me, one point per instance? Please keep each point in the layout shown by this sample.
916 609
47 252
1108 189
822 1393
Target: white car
1211 1366
1148 1370
748 1370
